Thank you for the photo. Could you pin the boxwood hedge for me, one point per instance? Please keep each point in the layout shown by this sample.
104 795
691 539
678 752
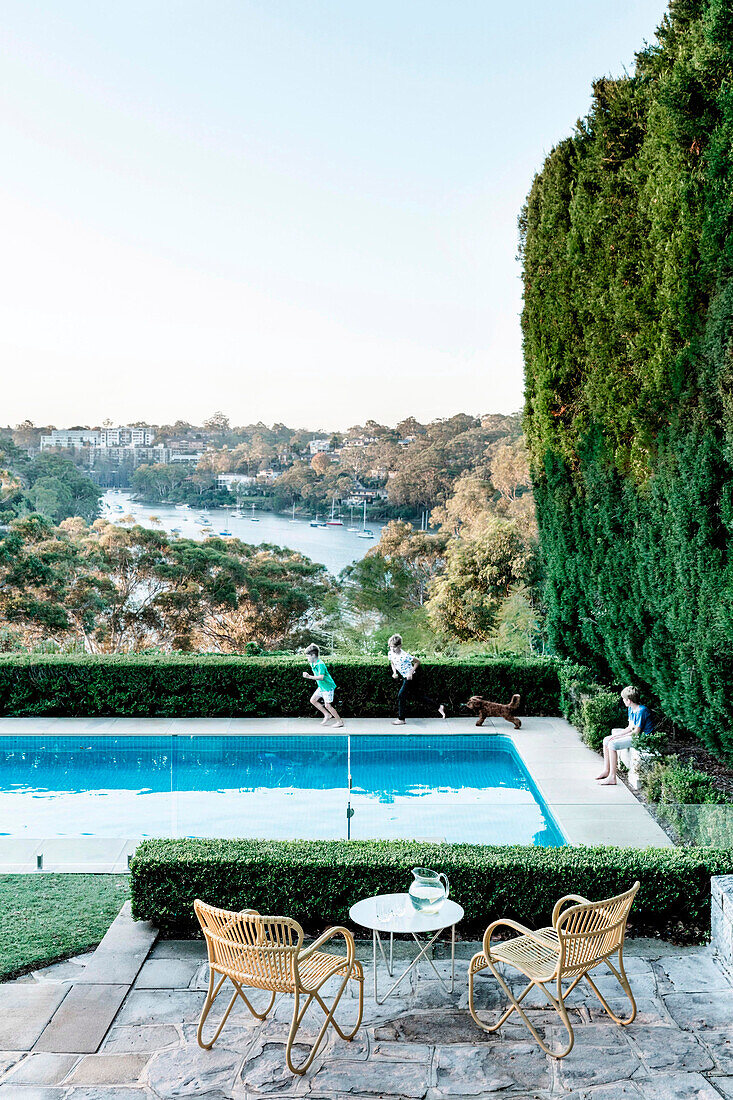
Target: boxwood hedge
317 881
214 686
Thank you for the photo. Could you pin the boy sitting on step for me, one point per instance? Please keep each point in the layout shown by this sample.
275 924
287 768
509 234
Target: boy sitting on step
640 722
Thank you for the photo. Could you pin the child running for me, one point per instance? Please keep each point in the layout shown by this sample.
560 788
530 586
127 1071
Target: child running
407 667
322 697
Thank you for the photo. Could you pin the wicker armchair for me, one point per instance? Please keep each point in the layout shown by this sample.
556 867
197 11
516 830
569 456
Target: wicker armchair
581 937
267 953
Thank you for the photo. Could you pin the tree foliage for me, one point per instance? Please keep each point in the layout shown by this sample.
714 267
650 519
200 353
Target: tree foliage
49 484
110 589
628 321
480 572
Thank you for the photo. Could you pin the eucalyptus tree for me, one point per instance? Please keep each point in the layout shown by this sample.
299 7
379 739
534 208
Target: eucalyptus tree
115 589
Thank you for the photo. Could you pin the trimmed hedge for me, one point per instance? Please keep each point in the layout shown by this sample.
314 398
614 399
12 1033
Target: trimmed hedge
670 781
688 804
317 881
213 686
600 713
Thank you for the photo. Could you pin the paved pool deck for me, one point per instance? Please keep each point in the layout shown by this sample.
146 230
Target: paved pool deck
120 1024
562 767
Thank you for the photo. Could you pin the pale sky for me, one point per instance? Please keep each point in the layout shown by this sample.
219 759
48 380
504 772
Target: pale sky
293 210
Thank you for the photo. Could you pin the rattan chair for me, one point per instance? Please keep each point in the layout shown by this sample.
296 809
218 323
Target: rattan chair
581 937
267 953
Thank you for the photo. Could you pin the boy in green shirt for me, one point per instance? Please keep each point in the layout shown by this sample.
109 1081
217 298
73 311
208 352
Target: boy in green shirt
322 697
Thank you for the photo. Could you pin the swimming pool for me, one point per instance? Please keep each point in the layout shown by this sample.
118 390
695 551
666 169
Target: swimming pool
471 788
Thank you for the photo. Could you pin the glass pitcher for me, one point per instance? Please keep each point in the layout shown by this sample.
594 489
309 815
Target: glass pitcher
427 892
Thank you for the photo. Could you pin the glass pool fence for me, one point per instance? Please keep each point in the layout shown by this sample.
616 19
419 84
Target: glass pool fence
108 791
678 825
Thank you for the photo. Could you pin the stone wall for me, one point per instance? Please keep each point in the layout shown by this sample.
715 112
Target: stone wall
721 920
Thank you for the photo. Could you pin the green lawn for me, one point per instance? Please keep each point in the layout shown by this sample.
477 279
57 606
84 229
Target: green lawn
45 917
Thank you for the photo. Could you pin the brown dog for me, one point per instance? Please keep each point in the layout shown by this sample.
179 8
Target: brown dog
486 709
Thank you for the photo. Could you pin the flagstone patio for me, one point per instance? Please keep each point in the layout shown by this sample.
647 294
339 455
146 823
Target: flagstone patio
128 1032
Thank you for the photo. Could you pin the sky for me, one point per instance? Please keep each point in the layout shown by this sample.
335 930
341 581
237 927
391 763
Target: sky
290 210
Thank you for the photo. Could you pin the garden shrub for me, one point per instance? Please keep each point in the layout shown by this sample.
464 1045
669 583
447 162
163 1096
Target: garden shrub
575 682
599 714
670 781
589 705
317 881
628 321
654 744
688 804
224 686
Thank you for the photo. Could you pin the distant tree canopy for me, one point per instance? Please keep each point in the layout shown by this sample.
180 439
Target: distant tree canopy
481 571
412 467
48 484
109 589
628 337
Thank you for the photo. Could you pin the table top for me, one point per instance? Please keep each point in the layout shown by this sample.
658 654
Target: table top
396 913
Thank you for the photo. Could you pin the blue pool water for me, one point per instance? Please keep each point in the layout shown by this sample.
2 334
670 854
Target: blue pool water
471 788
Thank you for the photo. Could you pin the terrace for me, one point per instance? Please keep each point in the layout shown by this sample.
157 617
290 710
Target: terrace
121 1023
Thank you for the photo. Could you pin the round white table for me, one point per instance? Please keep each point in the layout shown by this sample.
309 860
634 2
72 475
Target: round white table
396 913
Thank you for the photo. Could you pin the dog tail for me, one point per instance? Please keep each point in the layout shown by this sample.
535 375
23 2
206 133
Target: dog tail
514 702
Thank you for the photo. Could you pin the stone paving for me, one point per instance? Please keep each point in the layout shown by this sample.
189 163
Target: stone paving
421 1044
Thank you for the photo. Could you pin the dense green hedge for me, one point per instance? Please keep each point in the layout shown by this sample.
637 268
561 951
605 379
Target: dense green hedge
317 881
210 686
600 713
628 320
592 707
671 781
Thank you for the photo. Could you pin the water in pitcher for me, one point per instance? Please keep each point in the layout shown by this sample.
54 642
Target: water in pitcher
427 891
427 899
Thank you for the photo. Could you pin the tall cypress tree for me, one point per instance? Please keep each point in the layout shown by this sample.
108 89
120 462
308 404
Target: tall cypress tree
628 342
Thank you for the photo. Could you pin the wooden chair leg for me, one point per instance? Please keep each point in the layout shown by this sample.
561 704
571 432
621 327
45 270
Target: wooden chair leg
559 1006
502 1019
349 1035
211 996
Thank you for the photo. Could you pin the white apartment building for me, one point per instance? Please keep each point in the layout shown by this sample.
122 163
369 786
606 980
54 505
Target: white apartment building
315 446
70 439
130 456
123 446
231 481
126 437
79 438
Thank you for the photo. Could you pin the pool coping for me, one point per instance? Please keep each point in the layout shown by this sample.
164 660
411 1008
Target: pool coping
560 765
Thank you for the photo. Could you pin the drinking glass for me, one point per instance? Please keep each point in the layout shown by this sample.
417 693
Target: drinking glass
387 909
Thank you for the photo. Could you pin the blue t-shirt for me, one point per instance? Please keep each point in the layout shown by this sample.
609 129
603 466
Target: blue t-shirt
640 717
